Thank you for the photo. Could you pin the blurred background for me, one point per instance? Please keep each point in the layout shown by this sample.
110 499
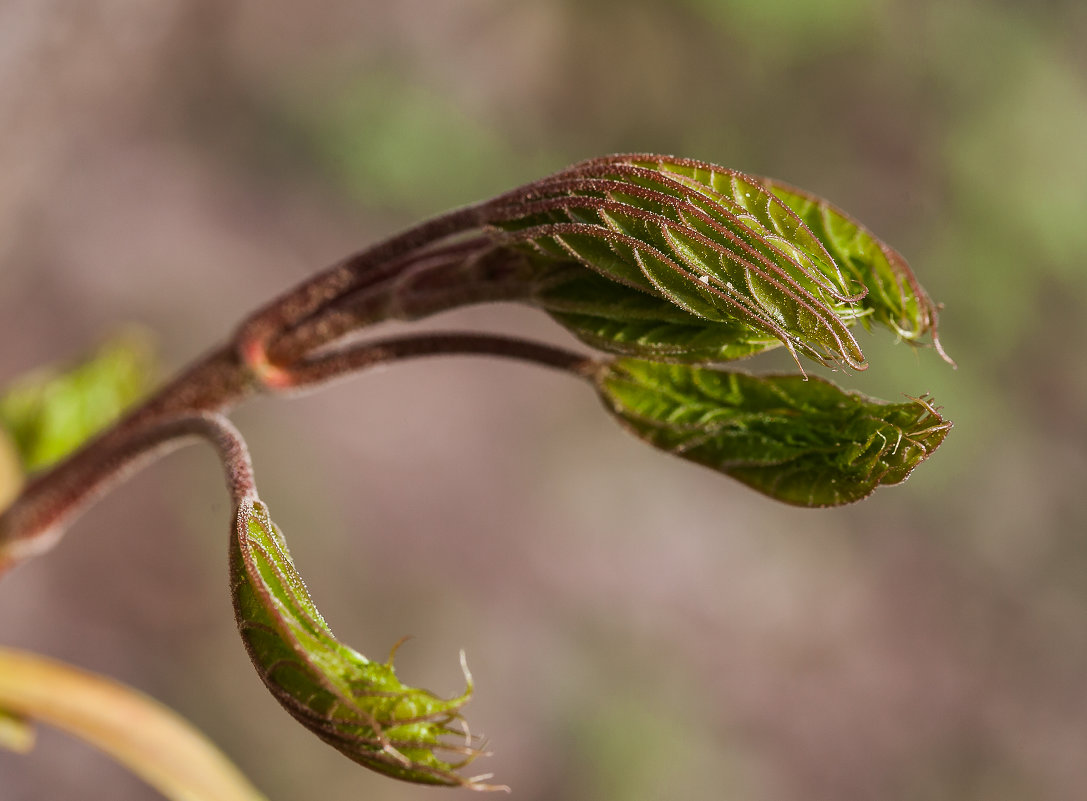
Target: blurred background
639 628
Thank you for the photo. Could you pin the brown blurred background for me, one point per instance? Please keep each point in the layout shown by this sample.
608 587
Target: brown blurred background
638 628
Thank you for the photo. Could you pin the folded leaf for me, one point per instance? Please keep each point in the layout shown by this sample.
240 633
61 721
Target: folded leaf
712 243
802 441
750 262
359 707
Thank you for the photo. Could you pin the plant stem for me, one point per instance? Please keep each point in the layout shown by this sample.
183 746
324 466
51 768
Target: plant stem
338 364
39 515
425 283
188 406
358 270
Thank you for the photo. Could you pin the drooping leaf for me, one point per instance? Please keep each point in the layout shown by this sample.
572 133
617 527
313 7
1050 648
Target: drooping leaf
358 706
50 412
804 442
150 739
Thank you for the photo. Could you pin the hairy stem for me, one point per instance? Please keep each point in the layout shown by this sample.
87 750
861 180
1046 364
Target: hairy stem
38 517
337 364
356 271
470 272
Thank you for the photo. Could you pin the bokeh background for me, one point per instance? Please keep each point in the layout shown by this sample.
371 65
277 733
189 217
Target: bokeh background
639 628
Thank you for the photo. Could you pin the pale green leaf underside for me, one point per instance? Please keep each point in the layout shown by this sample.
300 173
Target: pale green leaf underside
804 442
358 706
606 315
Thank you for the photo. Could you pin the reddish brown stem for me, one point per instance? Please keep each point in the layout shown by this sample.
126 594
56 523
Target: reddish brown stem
424 284
321 369
38 517
356 271
189 405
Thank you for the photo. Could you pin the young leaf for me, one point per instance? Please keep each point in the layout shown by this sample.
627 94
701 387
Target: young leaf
132 728
804 442
359 707
713 243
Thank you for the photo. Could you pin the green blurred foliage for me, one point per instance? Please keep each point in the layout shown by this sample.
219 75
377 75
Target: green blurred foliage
789 29
605 741
50 412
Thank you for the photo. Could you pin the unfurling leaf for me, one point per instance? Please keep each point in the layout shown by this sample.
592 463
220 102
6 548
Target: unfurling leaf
358 706
805 442
50 412
706 264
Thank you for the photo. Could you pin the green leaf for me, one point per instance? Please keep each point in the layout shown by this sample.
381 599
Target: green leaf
141 733
801 441
50 412
358 706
